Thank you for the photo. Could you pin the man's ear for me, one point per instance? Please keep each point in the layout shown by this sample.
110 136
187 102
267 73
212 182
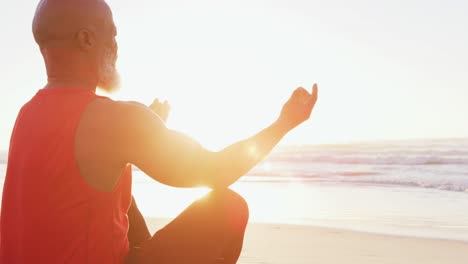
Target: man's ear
85 39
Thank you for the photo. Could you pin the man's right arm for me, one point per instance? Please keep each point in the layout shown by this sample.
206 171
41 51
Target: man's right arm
177 160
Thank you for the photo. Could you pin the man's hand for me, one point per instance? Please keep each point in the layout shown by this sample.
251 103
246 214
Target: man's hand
161 109
298 108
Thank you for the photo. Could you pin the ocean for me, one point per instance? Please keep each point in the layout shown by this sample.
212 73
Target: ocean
436 164
409 188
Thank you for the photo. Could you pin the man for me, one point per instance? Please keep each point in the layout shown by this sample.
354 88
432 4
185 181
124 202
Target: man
67 193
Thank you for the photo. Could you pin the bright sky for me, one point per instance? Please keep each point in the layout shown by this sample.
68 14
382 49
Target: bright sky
385 69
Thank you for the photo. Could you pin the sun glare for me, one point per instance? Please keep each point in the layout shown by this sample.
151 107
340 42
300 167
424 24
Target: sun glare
253 152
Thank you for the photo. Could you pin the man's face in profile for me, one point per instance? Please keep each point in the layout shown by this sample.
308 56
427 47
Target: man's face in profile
109 78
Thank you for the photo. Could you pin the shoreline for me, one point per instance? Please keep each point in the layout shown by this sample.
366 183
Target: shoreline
159 222
270 243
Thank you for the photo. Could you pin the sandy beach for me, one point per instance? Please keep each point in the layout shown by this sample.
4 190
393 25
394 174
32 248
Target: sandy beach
295 244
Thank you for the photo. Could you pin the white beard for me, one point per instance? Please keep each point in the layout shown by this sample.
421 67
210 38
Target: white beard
109 78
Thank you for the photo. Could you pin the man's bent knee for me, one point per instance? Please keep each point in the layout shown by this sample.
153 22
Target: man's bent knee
232 205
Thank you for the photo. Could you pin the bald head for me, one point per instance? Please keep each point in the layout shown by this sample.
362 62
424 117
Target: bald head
77 37
56 21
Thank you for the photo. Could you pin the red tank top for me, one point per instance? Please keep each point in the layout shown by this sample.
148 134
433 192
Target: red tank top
49 214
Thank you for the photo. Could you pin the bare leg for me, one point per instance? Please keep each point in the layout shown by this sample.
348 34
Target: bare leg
211 230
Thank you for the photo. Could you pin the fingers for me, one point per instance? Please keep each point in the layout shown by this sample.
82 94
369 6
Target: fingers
299 91
314 89
162 109
314 94
155 103
300 95
167 107
313 97
158 103
303 96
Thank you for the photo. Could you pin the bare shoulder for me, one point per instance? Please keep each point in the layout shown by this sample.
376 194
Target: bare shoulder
97 134
110 108
104 136
110 124
111 114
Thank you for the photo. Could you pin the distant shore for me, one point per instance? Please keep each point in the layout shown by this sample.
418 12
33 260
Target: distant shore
295 244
